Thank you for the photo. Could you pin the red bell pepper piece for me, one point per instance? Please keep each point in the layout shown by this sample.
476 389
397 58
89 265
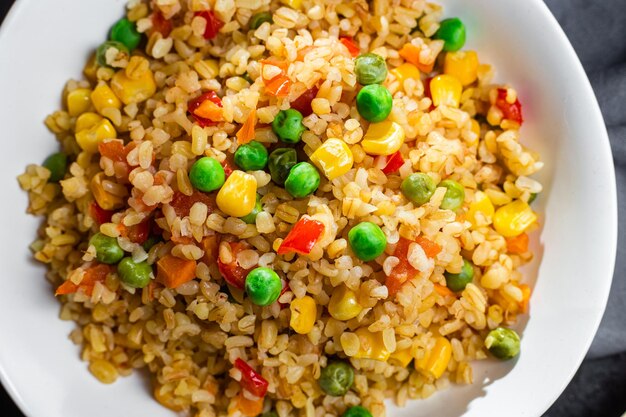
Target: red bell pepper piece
137 233
303 103
394 162
161 24
348 42
193 105
99 214
251 380
302 237
213 24
403 272
510 111
232 272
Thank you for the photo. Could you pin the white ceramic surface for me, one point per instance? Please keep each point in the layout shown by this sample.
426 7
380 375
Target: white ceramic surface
43 43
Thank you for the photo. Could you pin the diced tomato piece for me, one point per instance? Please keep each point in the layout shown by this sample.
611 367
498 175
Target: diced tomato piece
303 102
182 203
137 233
510 111
251 380
394 162
213 23
349 43
232 272
161 24
402 272
99 214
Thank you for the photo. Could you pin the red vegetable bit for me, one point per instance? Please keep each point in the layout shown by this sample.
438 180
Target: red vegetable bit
228 167
303 102
137 233
431 249
349 43
195 103
182 203
394 162
402 272
161 24
117 152
96 273
213 23
251 380
510 111
302 237
232 272
427 91
99 214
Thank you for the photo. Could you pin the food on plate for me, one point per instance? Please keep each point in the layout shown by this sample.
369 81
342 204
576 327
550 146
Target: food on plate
287 208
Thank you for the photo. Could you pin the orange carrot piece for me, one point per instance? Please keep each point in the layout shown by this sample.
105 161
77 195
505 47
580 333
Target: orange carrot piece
246 133
247 407
431 249
411 53
173 272
278 86
68 287
282 64
517 244
210 245
526 291
96 273
443 291
210 110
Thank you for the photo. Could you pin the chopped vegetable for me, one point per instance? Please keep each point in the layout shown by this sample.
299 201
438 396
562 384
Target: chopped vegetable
517 244
259 18
57 165
372 345
431 249
513 219
99 214
263 286
182 203
455 195
89 138
207 174
303 102
510 111
232 272
251 156
281 160
161 24
93 274
258 207
406 71
452 32
78 101
343 304
125 32
302 237
173 272
242 405
411 53
352 47
213 24
247 131
237 197
108 251
206 109
137 233
134 274
251 380
303 180
443 291
463 65
367 241
446 90
458 282
336 379
370 69
288 126
418 188
384 138
104 199
374 103
102 51
503 343
394 162
278 86
403 271
136 89
481 210
303 314
334 158
435 362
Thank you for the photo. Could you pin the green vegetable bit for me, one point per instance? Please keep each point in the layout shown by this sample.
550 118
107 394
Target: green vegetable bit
367 241
288 125
303 180
135 275
336 379
281 161
251 156
503 343
455 195
57 165
418 188
263 286
259 18
452 32
150 242
125 31
258 207
533 197
357 411
370 69
102 51
107 249
207 174
458 282
374 103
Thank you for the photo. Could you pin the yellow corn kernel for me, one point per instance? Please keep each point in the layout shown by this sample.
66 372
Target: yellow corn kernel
384 138
131 90
294 4
87 121
103 97
303 314
88 139
237 196
446 90
513 219
435 362
78 101
371 346
90 70
104 199
481 211
401 357
463 65
334 158
405 71
343 304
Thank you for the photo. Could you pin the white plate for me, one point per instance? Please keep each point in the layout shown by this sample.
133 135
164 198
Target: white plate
43 43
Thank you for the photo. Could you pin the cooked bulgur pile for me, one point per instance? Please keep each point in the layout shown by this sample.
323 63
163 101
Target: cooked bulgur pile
287 208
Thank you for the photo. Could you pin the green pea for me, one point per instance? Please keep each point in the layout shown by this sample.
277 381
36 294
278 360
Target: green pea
418 187
125 31
533 197
374 103
251 156
288 125
357 411
336 379
458 282
452 32
281 161
455 195
263 286
258 207
303 180
259 18
206 174
370 69
102 51
367 241
107 249
135 275
503 343
57 165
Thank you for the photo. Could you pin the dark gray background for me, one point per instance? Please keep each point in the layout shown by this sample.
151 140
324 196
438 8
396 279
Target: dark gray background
597 29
